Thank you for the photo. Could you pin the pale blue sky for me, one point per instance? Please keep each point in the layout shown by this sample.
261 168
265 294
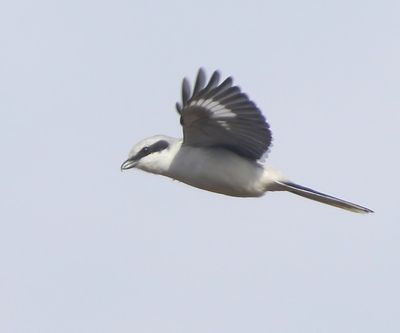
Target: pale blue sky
86 248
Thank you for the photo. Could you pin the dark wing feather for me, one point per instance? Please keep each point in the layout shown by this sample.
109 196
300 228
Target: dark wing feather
220 115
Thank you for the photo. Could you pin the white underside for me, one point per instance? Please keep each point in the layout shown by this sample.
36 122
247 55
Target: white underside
221 171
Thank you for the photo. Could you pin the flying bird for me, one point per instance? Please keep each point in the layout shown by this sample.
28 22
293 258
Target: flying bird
225 137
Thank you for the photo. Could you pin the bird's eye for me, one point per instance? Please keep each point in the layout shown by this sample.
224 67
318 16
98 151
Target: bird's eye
145 149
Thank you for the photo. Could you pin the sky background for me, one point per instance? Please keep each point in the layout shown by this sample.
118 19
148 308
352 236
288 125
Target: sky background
86 248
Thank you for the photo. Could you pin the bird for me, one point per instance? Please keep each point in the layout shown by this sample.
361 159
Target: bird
225 141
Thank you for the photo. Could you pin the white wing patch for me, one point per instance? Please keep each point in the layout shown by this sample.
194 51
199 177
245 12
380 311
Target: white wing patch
218 114
217 110
224 124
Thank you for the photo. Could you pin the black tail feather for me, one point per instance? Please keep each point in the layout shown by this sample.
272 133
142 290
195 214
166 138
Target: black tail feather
321 197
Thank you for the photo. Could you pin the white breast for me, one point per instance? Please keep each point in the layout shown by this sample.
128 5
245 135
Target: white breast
217 170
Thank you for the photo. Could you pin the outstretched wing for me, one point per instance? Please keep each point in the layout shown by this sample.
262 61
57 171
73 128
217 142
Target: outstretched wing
220 115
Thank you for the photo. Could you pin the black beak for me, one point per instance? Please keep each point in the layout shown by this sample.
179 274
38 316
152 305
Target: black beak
128 164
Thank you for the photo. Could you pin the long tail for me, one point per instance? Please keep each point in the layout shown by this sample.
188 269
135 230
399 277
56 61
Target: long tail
320 197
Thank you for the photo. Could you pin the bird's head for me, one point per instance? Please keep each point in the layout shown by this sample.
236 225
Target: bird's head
152 154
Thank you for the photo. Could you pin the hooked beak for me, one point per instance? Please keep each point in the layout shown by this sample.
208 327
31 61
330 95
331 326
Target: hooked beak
128 164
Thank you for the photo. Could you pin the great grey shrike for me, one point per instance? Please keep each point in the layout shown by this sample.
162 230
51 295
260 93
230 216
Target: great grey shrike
224 139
